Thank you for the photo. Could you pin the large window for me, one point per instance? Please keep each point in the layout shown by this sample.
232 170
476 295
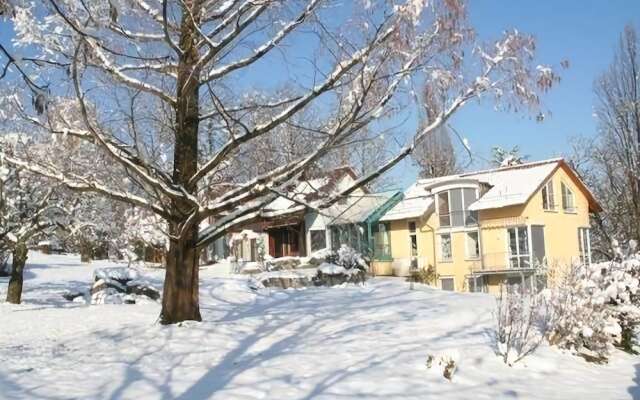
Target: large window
548 199
453 207
473 245
413 239
568 202
445 247
318 239
382 242
518 247
584 245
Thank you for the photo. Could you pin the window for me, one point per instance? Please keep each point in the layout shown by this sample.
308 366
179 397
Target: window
318 239
445 247
443 209
382 242
567 199
476 284
548 200
473 245
453 207
413 239
518 247
447 284
584 245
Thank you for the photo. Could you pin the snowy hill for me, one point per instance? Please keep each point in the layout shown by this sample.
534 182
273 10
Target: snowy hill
326 343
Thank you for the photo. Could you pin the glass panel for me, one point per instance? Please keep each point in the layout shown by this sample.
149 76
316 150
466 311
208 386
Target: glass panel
456 207
445 247
523 241
443 209
447 284
513 245
412 226
414 245
318 239
473 245
382 242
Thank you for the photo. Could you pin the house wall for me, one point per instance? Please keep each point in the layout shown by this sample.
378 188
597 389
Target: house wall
560 236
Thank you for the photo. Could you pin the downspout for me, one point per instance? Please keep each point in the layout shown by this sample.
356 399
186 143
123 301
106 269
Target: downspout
370 239
433 244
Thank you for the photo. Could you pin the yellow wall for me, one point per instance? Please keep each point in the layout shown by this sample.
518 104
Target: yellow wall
560 230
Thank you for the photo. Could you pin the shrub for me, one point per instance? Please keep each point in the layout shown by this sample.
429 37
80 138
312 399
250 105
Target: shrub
596 307
427 275
520 323
347 257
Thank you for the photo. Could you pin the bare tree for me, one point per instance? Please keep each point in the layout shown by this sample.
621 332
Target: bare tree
165 91
435 155
610 163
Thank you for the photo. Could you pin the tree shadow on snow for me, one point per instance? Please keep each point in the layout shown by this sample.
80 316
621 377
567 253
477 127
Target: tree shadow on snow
634 390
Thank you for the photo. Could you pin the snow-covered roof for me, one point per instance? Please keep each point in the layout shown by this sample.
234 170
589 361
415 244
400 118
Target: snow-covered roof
512 185
416 203
357 208
508 186
308 191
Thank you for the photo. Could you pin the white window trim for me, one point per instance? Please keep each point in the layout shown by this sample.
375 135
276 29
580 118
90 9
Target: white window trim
469 256
529 243
546 190
585 253
414 233
440 257
574 209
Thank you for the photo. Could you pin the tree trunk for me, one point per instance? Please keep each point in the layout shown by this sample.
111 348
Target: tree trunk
14 293
180 299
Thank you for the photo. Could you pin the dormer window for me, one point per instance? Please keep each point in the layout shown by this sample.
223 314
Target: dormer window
568 201
548 198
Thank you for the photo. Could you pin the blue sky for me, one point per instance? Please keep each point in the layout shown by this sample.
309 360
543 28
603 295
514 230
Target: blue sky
583 32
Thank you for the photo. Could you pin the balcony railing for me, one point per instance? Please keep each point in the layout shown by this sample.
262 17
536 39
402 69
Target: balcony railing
504 261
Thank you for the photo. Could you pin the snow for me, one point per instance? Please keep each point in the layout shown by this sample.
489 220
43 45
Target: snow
415 204
512 185
116 273
352 342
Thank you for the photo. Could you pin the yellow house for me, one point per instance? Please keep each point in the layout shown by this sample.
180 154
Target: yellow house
479 230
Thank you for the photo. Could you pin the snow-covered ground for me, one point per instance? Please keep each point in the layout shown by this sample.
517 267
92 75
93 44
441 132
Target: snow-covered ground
350 342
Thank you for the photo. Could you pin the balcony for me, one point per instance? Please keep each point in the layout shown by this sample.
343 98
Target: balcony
503 261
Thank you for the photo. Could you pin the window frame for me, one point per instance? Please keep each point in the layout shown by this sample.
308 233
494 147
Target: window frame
386 254
548 197
468 254
311 241
440 248
413 238
448 214
519 255
448 278
584 238
567 194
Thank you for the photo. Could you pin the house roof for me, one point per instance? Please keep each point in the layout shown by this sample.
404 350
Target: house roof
415 204
358 208
508 186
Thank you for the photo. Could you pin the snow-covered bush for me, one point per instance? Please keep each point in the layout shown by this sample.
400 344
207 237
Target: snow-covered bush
596 307
520 323
348 258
